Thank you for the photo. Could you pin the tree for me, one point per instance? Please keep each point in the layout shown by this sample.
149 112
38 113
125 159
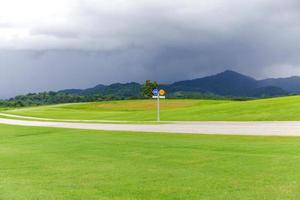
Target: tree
148 86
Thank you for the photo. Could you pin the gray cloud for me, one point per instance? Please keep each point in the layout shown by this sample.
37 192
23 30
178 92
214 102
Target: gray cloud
62 33
4 25
93 42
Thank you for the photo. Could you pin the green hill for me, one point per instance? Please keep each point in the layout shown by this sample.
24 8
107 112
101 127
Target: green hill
273 109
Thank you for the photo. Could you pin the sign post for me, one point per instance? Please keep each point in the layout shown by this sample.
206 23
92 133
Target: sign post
158 108
158 94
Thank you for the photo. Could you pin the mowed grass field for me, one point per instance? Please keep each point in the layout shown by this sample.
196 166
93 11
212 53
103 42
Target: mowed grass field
273 109
48 163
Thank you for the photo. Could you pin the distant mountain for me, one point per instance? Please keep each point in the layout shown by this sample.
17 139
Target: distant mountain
227 83
71 91
117 89
291 84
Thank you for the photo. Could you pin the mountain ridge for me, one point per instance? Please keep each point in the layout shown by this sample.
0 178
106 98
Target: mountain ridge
226 83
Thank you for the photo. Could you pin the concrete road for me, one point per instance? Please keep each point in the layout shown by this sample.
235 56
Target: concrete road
226 128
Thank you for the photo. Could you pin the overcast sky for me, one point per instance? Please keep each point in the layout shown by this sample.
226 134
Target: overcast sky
57 44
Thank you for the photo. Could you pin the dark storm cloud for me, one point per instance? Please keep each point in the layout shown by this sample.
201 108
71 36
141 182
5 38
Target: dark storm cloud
100 42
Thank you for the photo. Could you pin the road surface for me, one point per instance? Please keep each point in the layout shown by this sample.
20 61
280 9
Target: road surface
226 128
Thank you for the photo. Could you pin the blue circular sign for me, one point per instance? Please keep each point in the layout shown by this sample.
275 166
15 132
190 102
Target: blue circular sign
155 92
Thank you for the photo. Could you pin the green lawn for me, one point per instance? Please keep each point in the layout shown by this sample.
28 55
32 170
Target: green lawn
281 109
47 163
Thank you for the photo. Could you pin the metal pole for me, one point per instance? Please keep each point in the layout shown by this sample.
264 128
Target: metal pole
158 108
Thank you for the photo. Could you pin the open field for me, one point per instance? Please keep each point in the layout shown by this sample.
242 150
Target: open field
274 109
2 109
48 163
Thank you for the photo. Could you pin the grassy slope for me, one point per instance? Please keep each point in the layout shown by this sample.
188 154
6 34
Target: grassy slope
285 108
45 163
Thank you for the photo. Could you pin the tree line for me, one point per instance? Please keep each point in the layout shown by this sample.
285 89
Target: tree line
48 98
